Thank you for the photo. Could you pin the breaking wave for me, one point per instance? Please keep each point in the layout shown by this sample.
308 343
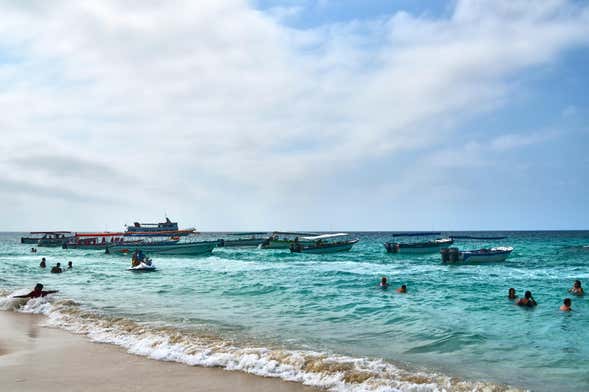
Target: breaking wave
318 369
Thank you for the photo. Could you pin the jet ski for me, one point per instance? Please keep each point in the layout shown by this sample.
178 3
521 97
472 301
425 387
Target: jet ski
143 266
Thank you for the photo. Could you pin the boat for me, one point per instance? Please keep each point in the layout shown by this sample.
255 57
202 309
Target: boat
143 267
420 246
324 243
283 239
38 235
167 247
97 241
484 255
53 239
167 228
243 239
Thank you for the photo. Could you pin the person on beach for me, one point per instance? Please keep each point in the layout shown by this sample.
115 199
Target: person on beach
528 300
43 264
70 265
383 283
566 305
56 269
402 289
577 289
37 292
511 294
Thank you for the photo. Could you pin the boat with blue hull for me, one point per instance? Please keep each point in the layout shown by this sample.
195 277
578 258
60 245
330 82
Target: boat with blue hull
47 238
420 245
484 255
324 243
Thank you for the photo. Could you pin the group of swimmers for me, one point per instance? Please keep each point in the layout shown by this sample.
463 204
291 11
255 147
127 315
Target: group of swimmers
384 285
529 301
56 269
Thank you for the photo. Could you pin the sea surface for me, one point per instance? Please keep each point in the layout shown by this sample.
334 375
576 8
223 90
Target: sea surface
321 319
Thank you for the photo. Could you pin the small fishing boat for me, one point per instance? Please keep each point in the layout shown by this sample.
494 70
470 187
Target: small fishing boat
166 247
243 240
324 243
421 245
484 255
283 239
53 239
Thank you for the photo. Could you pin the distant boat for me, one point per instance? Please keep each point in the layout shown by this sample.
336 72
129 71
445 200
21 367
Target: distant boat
43 235
168 247
491 255
167 228
53 239
324 243
419 246
97 241
283 239
243 239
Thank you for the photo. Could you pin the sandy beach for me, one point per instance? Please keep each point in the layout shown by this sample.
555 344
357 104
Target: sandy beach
35 358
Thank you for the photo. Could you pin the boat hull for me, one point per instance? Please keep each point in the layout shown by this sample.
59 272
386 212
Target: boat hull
494 255
326 248
238 243
417 248
187 248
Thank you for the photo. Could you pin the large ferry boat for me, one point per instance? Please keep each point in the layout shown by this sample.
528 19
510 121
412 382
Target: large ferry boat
157 229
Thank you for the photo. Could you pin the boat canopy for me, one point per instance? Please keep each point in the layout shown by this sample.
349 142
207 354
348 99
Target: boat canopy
249 233
105 234
325 236
417 234
294 233
470 237
50 232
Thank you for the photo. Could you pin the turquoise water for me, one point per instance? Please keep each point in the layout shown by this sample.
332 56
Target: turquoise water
455 320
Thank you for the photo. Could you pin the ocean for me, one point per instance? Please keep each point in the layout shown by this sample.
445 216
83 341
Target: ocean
322 320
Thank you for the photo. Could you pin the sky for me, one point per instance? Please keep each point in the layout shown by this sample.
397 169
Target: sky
295 115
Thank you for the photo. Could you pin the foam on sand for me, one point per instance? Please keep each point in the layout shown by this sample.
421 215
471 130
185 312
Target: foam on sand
331 371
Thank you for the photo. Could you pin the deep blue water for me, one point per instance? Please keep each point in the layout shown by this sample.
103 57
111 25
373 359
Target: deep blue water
455 320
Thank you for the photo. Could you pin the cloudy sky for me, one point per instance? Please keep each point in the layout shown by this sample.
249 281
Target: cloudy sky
333 114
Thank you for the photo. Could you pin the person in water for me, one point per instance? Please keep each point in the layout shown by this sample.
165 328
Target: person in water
511 293
138 258
402 289
383 283
37 292
528 300
56 269
33 250
566 305
43 264
577 289
70 265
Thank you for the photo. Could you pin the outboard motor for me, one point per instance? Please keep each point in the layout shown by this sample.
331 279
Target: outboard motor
445 255
453 254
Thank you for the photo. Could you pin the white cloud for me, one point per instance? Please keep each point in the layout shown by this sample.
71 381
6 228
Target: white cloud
217 104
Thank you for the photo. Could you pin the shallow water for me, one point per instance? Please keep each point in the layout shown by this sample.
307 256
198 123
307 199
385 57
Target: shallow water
322 320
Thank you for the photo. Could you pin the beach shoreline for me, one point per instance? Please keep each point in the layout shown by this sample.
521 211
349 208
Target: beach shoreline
34 358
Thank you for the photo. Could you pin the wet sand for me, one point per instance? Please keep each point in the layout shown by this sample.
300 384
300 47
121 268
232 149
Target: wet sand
34 358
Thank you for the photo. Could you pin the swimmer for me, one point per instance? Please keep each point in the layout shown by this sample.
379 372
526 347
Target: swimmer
43 264
577 289
383 283
56 269
528 300
511 294
402 289
70 265
36 293
566 305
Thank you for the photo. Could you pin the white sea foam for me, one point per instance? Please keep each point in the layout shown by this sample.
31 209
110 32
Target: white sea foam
329 371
